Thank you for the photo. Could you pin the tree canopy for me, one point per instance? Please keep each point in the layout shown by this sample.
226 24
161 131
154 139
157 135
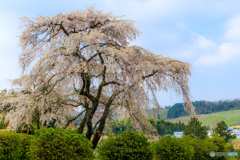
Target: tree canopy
222 131
194 129
84 59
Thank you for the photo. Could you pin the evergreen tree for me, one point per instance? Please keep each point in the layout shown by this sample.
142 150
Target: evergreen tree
194 129
222 131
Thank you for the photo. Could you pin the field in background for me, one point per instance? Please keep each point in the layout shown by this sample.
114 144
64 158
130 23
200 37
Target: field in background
237 126
230 117
185 119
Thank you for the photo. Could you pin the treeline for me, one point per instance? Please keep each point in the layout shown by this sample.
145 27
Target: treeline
204 107
163 127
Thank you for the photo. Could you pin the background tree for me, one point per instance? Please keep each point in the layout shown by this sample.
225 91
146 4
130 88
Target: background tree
85 60
194 129
222 131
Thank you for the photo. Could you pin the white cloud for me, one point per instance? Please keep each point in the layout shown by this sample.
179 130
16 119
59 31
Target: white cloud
203 43
197 46
233 32
225 53
229 50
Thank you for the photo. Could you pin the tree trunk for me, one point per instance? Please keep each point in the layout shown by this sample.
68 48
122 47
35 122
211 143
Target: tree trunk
98 133
100 128
82 124
89 115
38 121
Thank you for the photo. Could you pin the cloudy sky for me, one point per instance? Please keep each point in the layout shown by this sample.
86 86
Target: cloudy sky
204 33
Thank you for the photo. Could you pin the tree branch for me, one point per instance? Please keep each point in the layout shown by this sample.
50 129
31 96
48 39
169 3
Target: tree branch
72 119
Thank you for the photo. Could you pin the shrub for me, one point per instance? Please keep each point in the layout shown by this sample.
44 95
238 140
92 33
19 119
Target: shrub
234 136
60 144
202 147
219 143
125 146
25 140
172 148
13 145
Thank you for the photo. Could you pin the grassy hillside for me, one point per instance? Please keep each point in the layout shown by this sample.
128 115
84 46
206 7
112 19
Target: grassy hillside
230 117
162 115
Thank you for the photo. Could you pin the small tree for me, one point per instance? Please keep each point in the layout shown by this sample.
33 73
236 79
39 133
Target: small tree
222 131
194 129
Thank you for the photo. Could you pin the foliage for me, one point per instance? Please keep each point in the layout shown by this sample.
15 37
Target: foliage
222 131
202 147
219 142
14 145
234 136
204 107
169 148
117 126
229 147
164 127
128 145
60 144
194 129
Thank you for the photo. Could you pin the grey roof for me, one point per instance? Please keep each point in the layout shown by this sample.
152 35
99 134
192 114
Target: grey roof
210 130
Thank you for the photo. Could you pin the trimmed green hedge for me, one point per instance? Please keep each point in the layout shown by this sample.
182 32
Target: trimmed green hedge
125 146
51 144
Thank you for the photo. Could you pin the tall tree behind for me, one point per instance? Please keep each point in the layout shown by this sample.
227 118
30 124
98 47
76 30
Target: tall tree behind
195 129
85 60
222 131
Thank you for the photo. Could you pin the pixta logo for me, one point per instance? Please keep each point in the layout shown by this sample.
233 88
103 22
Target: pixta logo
212 154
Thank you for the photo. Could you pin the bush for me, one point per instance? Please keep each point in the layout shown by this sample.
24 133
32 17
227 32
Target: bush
25 140
60 144
14 145
202 147
219 143
172 148
234 136
125 146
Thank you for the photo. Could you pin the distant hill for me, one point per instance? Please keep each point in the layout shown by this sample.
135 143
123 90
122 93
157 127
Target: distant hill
230 117
204 107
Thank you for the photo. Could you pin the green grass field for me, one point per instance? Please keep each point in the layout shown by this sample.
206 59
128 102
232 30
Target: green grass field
230 117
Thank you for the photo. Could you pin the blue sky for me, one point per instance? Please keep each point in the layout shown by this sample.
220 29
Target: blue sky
204 33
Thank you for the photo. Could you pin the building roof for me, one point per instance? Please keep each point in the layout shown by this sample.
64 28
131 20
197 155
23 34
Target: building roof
236 129
210 130
178 132
229 128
